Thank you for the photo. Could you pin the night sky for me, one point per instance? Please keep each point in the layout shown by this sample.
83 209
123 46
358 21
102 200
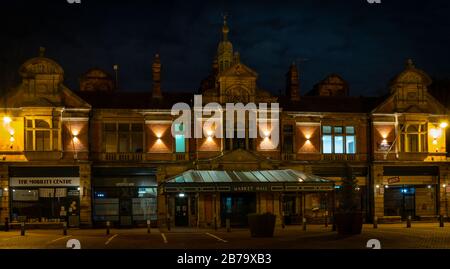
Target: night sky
367 44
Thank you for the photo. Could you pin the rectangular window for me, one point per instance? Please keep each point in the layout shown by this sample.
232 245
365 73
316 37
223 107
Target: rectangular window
350 144
123 137
179 139
338 140
288 138
327 144
339 144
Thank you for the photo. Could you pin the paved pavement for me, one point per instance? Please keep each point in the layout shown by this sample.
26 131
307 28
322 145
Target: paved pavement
391 236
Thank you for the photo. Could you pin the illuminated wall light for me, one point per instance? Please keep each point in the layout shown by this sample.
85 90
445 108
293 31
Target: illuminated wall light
429 186
5 189
386 186
377 186
435 133
443 124
7 120
181 195
384 142
444 185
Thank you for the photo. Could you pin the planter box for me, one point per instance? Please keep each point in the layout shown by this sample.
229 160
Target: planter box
261 225
349 223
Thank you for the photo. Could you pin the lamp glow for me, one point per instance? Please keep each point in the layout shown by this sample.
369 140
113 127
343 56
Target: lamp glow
7 120
443 124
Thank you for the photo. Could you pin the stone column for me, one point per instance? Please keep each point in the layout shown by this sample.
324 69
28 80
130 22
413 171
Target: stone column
85 196
4 185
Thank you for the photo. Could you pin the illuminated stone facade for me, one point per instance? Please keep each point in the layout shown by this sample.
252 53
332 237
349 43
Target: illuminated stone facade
119 140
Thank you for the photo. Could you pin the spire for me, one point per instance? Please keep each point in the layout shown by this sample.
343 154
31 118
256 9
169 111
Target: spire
156 75
225 29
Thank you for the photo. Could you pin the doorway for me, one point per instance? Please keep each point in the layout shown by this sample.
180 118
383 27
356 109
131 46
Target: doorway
236 207
181 210
125 212
289 209
400 201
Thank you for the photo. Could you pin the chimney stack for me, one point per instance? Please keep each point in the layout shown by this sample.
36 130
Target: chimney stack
156 74
293 83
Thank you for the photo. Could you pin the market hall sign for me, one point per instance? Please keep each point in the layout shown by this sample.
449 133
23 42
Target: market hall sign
44 181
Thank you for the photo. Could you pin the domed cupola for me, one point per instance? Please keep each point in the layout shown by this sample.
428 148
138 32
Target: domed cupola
225 49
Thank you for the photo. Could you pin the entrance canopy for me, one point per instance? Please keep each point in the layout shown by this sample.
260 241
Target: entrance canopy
286 180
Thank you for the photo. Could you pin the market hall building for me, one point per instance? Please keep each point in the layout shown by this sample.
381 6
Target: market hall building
98 154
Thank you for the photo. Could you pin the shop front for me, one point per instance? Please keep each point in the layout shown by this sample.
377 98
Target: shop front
208 198
337 173
125 196
45 194
411 191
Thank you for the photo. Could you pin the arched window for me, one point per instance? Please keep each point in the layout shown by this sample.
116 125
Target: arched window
42 135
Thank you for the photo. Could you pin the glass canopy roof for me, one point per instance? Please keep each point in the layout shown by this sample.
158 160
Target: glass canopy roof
257 176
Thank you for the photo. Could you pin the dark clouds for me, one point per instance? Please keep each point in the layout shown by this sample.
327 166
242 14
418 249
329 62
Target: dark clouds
366 43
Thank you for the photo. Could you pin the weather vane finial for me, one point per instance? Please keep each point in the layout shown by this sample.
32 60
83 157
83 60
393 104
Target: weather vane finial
41 51
225 28
224 15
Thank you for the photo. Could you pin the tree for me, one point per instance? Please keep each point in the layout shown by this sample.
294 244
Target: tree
348 192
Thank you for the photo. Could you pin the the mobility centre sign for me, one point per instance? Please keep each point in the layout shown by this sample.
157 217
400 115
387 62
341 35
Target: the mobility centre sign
44 181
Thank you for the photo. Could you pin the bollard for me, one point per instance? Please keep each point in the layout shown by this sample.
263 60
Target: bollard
148 226
441 221
168 223
6 224
64 228
375 222
304 224
228 224
22 229
107 227
408 222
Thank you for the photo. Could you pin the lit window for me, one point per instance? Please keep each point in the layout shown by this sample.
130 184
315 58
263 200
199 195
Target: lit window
338 140
327 144
41 135
339 144
413 137
179 139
